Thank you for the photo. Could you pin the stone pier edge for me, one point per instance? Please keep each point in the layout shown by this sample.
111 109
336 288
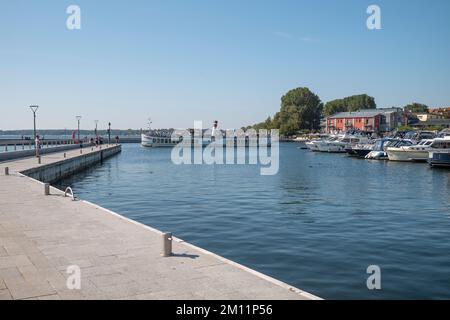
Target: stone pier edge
206 252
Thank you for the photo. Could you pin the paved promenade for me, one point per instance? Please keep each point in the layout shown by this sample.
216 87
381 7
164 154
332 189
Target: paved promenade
40 236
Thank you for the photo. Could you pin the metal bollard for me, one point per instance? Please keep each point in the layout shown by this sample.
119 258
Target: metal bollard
65 155
39 159
6 171
47 189
167 244
81 151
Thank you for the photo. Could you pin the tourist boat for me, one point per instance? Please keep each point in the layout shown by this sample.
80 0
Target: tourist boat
158 138
439 153
155 138
417 152
379 149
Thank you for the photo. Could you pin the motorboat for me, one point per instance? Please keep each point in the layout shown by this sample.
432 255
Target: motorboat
314 144
439 153
360 150
302 142
341 143
417 152
379 149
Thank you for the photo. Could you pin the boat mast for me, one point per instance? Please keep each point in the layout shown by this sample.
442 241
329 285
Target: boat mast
149 124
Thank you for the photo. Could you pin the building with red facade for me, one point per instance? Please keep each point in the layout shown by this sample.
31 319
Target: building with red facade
368 120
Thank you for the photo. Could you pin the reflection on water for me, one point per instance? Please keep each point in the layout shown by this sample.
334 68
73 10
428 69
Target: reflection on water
318 224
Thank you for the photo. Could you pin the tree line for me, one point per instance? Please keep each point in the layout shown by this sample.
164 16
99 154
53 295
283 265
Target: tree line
301 110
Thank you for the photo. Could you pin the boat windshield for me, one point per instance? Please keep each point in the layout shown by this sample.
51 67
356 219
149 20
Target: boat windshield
441 144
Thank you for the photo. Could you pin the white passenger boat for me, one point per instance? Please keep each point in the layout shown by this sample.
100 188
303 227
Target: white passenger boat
156 138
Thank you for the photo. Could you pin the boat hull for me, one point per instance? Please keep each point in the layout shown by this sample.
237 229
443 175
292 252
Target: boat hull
156 142
359 153
439 159
377 155
399 154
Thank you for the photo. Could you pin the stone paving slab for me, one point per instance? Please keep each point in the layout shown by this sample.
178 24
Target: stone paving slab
40 236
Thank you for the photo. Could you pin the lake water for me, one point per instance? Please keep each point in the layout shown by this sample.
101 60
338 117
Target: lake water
318 224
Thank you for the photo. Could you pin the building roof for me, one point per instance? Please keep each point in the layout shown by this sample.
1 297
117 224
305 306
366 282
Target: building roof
364 113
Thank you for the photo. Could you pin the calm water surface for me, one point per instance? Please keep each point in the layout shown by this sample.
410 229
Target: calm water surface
318 224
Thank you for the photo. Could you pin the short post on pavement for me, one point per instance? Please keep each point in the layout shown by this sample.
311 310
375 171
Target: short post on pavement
167 244
47 189
7 171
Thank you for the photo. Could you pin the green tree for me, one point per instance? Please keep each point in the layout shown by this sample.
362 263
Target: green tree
416 107
352 103
300 109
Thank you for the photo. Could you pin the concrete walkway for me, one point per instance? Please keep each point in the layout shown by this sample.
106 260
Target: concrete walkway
40 236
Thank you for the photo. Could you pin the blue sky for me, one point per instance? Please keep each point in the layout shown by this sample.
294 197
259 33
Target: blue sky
180 61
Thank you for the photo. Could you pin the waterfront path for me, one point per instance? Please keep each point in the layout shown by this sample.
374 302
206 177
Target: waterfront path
40 236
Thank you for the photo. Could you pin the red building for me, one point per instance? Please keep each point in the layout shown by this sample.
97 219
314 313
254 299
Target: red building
369 120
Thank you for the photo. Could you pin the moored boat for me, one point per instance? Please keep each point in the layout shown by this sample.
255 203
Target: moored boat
379 149
359 150
417 152
439 153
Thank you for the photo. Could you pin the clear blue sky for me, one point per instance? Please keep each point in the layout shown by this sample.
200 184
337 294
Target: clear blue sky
180 61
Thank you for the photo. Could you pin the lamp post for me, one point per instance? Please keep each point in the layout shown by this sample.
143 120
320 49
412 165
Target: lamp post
36 142
109 132
34 109
96 132
78 119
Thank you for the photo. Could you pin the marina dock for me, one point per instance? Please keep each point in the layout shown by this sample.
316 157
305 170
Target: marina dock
42 235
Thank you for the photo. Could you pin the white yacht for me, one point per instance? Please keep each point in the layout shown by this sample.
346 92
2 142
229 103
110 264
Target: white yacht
312 145
379 149
417 152
420 151
339 144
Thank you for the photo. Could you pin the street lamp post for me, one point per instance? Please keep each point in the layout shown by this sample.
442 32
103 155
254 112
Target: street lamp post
109 133
78 119
34 109
36 142
96 132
